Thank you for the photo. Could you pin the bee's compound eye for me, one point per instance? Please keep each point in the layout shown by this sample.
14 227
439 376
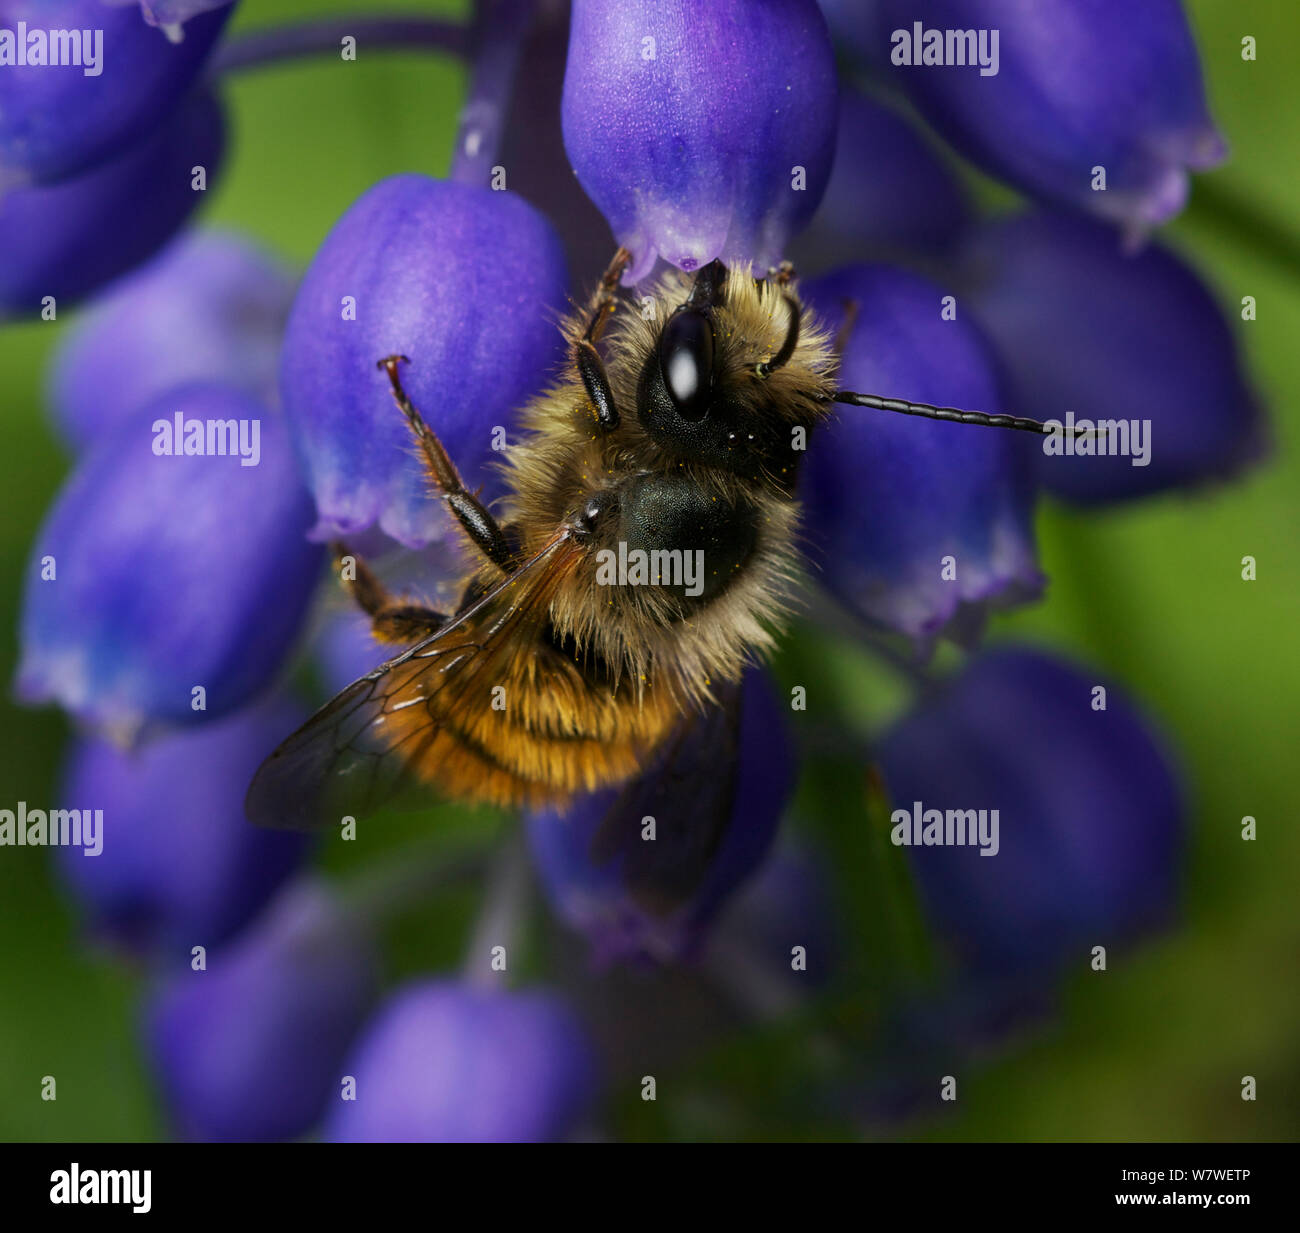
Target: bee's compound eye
686 357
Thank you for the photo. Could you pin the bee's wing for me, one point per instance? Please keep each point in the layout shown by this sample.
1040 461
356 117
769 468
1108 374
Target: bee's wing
689 790
362 744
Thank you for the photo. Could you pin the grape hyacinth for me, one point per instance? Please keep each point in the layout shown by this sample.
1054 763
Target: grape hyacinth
178 599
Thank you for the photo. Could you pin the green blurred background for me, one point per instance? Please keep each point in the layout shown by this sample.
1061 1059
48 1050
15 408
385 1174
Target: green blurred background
1155 1048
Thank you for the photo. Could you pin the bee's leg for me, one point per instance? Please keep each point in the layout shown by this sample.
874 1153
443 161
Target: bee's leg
391 620
605 297
591 368
470 512
782 274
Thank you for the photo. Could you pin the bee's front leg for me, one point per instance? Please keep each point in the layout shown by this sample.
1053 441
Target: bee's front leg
483 531
591 368
391 620
605 297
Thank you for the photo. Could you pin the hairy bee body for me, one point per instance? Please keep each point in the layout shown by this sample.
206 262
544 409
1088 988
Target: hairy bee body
616 665
684 436
537 733
557 675
740 510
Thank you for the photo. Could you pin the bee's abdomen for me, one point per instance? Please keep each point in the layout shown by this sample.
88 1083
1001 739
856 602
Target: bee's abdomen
541 736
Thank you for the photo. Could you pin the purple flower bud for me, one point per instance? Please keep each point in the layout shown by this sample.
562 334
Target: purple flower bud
167 587
466 282
889 192
67 240
252 1048
532 147
599 900
1087 331
179 866
784 925
209 308
114 82
171 15
701 130
345 649
1097 104
1083 850
919 525
447 1063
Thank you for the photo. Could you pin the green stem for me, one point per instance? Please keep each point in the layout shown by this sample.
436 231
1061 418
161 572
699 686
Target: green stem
258 48
501 917
407 878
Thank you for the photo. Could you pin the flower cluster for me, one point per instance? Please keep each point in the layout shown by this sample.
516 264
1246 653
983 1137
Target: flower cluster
174 582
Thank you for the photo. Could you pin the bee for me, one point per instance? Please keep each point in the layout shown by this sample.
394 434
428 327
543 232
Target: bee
675 434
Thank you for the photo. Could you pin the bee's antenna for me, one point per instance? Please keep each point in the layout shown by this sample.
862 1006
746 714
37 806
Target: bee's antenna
782 357
953 415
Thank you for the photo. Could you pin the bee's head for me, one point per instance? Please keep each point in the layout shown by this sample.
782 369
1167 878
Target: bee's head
733 372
